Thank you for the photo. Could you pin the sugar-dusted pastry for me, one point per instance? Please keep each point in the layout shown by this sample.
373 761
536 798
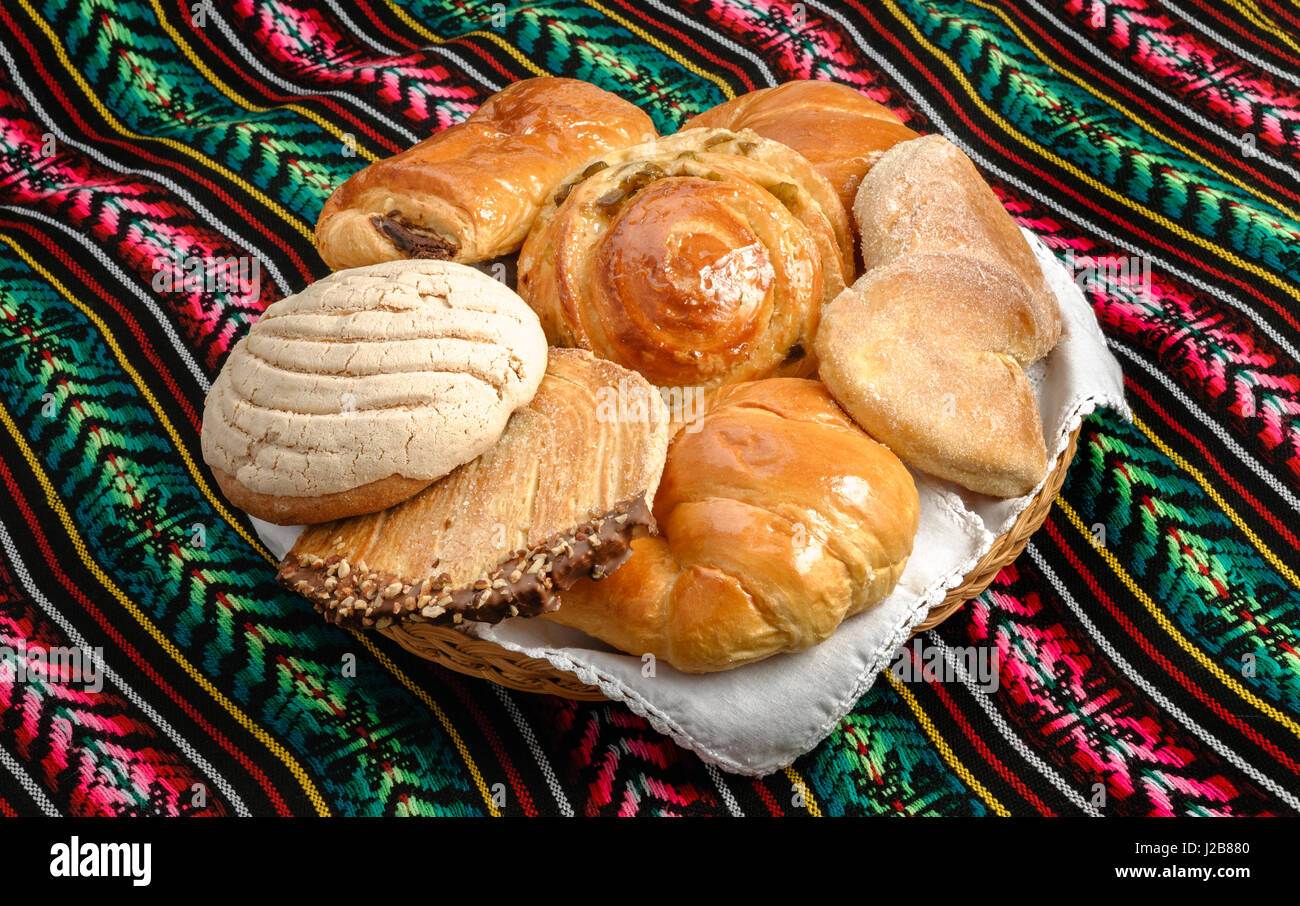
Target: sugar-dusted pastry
927 350
470 192
366 386
841 132
926 196
700 259
561 495
778 519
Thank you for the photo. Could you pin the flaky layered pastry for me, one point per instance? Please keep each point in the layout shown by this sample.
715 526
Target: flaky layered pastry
778 519
927 350
560 495
841 132
700 259
365 387
470 192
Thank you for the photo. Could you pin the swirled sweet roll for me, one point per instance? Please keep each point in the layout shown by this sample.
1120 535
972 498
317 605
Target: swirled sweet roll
701 259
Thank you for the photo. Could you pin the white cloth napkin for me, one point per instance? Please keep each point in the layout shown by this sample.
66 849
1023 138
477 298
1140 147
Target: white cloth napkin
759 718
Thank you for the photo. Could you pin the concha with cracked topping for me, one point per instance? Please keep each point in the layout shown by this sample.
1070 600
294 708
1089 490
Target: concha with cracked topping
366 387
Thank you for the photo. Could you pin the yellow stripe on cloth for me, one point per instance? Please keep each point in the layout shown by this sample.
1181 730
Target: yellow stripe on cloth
239 99
1258 17
494 38
676 57
83 552
1168 625
1095 184
433 706
1209 489
945 751
798 783
61 53
1111 102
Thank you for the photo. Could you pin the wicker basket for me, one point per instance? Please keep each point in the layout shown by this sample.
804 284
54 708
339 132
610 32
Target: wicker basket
489 661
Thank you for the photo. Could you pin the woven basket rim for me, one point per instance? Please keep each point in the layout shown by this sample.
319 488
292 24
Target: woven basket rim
488 660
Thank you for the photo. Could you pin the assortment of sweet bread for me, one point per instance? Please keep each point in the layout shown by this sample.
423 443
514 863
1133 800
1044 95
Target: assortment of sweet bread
691 427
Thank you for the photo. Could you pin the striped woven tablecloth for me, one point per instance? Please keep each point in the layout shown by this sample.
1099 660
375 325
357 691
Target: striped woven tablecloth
1146 640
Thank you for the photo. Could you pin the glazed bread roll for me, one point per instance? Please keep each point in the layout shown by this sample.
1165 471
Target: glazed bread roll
700 259
927 350
841 132
366 386
471 191
560 495
779 518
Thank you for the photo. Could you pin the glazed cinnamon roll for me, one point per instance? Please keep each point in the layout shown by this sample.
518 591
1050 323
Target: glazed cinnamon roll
700 259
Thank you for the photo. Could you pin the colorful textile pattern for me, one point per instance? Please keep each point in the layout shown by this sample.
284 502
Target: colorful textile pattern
1146 641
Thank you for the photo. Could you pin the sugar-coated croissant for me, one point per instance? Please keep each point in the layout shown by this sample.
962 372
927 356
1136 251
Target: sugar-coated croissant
470 192
779 519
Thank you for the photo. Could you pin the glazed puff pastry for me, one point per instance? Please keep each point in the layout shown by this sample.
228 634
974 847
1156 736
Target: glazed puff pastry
470 192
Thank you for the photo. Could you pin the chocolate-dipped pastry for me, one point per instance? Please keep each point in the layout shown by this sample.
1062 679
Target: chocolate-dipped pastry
560 497
524 584
470 192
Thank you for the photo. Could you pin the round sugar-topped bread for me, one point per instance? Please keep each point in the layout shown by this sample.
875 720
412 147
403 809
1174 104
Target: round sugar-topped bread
927 350
367 386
